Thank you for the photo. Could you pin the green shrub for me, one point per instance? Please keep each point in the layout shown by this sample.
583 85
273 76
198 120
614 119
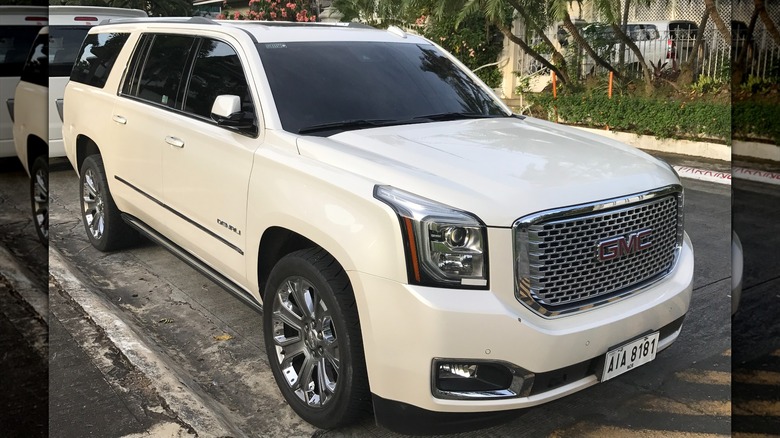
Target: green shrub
664 118
754 118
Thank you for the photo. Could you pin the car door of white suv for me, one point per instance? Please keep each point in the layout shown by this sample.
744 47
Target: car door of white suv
205 167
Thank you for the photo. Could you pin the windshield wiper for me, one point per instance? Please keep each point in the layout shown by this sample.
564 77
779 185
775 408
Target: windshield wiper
345 125
441 117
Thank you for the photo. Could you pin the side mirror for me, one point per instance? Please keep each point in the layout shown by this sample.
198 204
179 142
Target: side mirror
226 111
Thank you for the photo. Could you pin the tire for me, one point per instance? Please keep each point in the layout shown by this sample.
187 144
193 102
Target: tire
102 219
324 378
39 197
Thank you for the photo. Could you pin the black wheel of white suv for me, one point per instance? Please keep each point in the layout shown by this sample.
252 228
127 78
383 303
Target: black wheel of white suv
102 220
313 340
39 196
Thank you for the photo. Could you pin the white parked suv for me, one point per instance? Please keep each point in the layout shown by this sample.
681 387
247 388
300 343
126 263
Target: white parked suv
18 27
37 129
411 243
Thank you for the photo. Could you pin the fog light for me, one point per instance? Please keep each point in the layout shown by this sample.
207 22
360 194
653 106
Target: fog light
471 377
448 371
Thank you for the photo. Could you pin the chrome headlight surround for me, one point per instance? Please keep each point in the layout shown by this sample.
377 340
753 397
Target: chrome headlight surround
445 246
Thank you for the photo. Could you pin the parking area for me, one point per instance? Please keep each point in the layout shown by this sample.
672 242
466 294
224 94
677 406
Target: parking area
213 344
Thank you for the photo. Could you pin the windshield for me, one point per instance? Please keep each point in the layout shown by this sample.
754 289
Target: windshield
364 84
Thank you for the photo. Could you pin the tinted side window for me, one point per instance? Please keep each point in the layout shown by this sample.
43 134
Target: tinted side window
216 70
97 56
158 79
64 44
36 69
15 43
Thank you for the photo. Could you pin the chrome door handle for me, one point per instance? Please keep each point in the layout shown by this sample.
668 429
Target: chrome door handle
173 141
119 119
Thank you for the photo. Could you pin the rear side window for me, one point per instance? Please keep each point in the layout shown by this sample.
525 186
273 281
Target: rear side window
36 69
216 70
683 31
15 43
64 44
97 56
158 69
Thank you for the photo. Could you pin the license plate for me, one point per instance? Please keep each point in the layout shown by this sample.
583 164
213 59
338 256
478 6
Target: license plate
629 356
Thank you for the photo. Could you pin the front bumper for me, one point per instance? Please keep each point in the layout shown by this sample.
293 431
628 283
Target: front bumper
405 327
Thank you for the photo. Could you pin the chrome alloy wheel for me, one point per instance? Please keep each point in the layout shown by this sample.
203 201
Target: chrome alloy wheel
93 203
40 199
305 340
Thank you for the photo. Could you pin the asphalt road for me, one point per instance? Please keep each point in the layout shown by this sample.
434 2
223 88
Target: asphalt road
756 326
215 344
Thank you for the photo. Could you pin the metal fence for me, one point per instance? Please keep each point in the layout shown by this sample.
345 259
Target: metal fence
672 49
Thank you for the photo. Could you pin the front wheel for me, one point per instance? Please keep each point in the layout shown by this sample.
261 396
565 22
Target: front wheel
102 219
39 196
313 340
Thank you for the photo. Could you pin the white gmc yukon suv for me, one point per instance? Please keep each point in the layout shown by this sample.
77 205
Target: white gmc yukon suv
412 244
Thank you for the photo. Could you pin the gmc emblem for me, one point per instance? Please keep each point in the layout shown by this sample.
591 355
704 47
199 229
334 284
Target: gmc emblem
617 247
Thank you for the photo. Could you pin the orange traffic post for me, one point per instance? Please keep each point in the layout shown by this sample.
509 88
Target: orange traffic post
610 85
555 92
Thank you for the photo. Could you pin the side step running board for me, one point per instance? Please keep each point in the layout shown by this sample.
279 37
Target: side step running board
194 262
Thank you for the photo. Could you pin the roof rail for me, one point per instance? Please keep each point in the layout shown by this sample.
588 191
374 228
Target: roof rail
189 20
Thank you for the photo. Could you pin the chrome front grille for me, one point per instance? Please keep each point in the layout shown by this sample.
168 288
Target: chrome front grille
574 259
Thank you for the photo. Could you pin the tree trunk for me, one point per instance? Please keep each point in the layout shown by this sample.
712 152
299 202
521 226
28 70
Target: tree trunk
716 18
569 25
738 75
624 39
534 54
557 57
767 20
691 67
624 29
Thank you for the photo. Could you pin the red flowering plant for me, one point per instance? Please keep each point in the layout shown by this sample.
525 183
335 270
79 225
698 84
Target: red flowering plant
272 10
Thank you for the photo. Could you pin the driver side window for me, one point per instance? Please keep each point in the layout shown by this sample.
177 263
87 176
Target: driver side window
217 70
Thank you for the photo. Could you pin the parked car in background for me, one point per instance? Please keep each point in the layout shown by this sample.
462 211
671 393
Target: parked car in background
38 97
18 27
663 44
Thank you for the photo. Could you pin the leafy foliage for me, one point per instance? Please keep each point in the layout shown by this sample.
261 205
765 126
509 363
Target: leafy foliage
274 10
754 118
664 118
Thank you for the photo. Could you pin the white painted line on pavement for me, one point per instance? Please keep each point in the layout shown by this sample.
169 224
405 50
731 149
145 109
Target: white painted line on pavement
34 294
184 400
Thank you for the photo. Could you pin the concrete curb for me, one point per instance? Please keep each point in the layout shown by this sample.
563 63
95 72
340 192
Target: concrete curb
752 149
186 402
34 294
701 149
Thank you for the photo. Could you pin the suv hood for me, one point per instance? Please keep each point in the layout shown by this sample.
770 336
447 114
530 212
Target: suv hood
498 169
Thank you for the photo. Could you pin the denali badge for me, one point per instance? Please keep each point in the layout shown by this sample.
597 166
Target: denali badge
617 247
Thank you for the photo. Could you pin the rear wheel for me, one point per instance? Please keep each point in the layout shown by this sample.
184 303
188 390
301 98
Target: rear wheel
39 196
102 220
313 340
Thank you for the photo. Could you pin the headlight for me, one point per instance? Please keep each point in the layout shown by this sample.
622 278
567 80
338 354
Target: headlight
445 247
